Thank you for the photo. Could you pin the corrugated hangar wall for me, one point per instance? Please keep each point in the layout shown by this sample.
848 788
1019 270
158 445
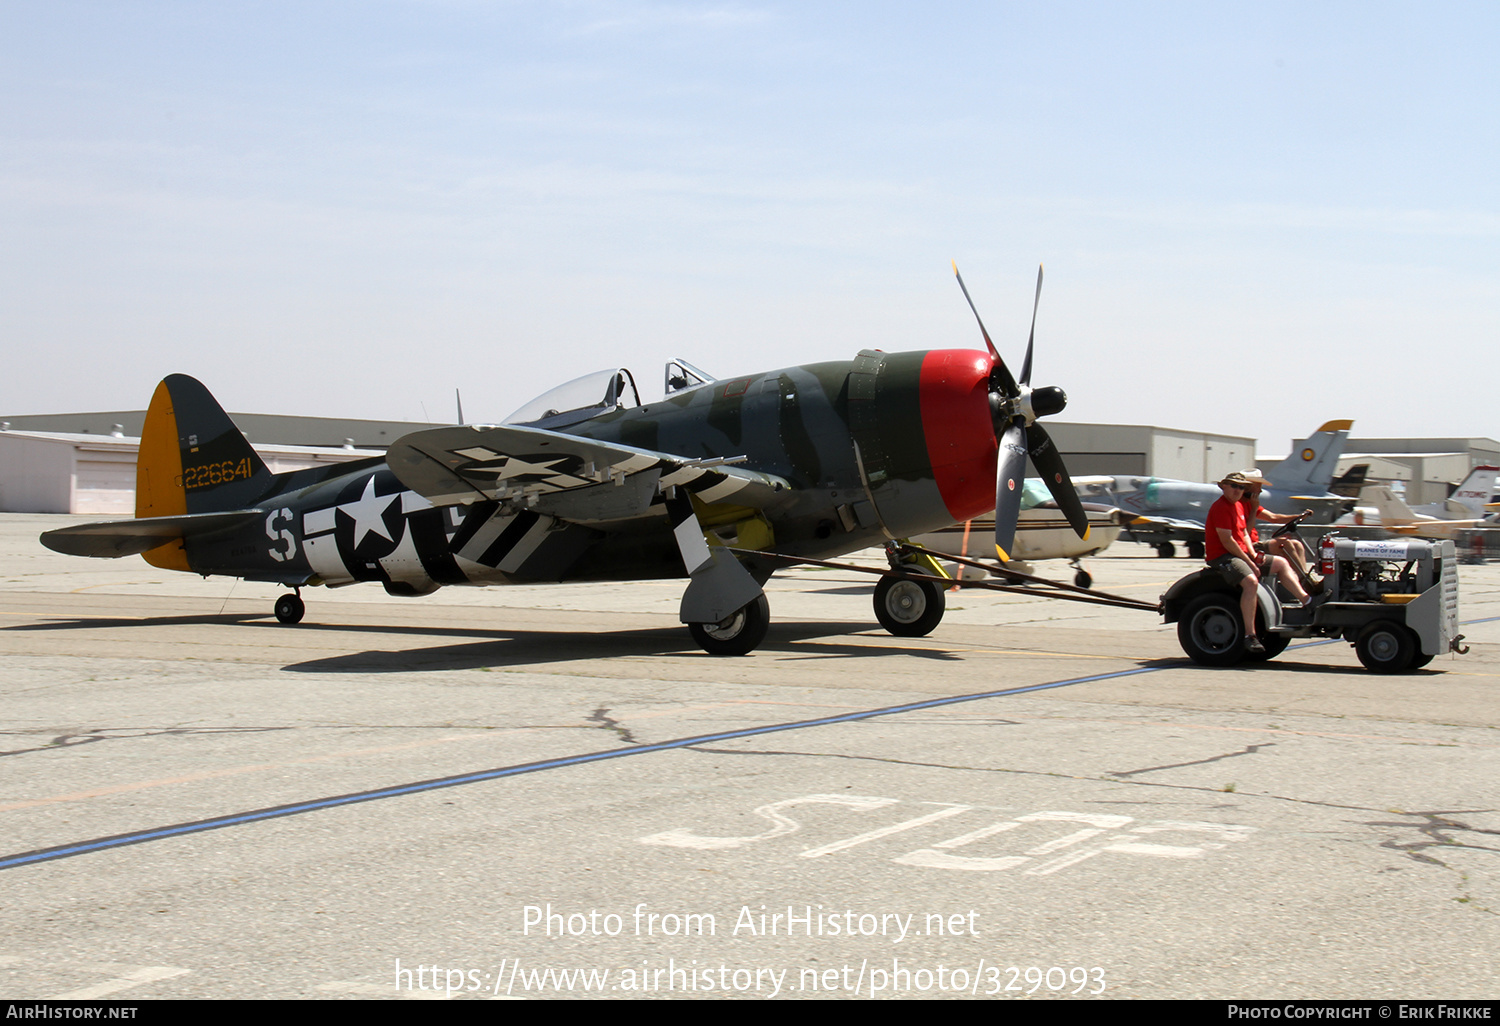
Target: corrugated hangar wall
260 428
1090 449
95 474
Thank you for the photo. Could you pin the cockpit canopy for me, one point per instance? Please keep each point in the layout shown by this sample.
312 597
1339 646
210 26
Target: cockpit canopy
579 400
598 393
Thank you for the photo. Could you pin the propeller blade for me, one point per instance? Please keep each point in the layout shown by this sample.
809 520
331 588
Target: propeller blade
1010 475
1026 367
1006 380
1049 464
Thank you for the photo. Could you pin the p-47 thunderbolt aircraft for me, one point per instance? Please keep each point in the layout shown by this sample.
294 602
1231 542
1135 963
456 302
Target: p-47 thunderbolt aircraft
721 482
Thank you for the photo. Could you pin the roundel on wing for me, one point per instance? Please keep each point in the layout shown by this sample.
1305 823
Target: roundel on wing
1010 484
1307 455
1057 478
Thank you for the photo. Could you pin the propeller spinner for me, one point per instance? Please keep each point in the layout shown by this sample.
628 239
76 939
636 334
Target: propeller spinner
1015 407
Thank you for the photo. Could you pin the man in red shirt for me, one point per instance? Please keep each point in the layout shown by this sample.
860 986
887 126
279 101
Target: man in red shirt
1228 549
1290 547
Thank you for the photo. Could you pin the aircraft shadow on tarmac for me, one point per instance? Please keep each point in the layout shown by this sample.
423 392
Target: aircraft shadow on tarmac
519 648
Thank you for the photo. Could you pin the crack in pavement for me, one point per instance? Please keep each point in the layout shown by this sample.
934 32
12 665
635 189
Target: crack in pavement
1247 750
1438 829
86 737
606 722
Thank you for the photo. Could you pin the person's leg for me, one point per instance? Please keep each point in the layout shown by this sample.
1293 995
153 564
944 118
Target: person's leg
1288 578
1248 604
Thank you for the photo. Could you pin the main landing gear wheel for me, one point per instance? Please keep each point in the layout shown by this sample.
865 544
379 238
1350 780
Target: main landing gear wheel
289 609
1165 550
1386 648
1083 579
1209 630
908 608
739 634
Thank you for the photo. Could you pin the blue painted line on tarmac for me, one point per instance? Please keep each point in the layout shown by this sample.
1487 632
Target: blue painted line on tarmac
298 808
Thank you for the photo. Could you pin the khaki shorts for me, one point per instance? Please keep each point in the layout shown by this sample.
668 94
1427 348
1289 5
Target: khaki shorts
1234 569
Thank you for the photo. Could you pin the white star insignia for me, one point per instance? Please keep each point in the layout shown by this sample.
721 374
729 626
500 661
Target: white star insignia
369 513
515 467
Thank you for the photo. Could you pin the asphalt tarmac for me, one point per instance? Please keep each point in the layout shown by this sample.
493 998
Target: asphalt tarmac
545 792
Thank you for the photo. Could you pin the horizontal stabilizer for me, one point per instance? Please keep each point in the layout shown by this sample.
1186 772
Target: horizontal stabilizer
565 476
1157 521
114 538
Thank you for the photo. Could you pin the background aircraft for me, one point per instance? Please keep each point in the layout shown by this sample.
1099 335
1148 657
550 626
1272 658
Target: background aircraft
1042 532
721 481
1467 507
1162 510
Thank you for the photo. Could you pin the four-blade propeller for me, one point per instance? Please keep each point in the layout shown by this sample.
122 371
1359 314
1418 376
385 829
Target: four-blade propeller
1015 408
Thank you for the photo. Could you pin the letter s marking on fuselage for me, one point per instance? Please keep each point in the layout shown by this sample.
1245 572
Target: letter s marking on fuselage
282 536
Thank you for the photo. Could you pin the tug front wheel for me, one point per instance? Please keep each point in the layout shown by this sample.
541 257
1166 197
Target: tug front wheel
739 634
289 609
1209 630
908 608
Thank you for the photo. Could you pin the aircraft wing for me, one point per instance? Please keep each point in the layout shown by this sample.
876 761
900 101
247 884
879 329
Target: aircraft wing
115 538
565 476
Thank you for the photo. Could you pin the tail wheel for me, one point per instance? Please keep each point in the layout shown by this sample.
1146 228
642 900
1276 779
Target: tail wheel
1209 630
1387 647
908 608
290 609
739 634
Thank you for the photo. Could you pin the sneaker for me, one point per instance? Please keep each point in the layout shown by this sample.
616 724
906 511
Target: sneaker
1253 645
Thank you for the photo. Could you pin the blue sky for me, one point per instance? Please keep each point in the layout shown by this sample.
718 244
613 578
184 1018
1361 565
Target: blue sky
1254 217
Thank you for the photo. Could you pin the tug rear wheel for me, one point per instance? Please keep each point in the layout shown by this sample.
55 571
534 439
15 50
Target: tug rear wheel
908 608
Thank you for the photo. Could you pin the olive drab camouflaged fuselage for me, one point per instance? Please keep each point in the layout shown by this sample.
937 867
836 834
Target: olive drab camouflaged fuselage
884 446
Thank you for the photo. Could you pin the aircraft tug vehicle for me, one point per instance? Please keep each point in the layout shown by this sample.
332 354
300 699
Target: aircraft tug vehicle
1395 601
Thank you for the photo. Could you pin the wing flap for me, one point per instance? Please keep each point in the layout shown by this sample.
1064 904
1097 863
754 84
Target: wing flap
565 476
114 538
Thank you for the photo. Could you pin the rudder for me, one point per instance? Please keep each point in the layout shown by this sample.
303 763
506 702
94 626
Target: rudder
192 460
